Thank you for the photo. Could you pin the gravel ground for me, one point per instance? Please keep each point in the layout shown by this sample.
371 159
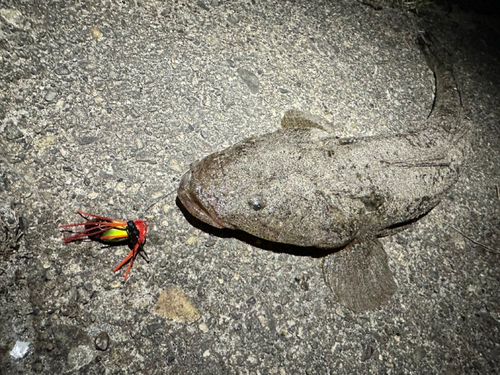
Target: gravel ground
103 106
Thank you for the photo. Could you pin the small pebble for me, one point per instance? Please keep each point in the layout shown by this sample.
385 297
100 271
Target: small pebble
419 355
367 352
139 144
96 33
212 240
13 17
50 96
174 164
87 140
251 80
232 19
102 341
116 285
202 5
12 131
62 70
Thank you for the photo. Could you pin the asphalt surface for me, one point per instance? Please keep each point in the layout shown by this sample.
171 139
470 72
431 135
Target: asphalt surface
103 106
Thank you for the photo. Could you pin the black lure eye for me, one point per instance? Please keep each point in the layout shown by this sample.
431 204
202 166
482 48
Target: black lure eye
133 232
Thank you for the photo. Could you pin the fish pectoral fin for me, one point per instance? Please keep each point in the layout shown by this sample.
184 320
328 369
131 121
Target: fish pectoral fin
297 119
359 275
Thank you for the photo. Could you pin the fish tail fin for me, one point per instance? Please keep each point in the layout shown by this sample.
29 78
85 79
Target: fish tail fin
447 111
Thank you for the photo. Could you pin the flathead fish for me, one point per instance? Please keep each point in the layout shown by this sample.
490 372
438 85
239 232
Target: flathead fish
305 186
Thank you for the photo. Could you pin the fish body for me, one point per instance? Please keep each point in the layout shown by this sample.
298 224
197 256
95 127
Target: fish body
305 186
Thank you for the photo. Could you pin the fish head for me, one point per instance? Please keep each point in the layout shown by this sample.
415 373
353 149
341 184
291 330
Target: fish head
216 189
268 186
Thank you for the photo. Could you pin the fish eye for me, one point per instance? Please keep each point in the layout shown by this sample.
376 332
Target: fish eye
256 203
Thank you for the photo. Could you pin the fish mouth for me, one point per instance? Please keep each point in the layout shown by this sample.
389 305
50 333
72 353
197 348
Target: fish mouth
194 206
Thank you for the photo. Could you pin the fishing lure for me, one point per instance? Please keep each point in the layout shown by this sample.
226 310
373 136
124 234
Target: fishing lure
111 232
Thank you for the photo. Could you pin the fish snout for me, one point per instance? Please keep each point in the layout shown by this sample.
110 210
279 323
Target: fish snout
193 204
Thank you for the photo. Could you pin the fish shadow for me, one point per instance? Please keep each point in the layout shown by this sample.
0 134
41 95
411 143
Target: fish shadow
277 247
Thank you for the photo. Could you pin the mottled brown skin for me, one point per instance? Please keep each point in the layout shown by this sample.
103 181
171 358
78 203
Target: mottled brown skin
301 185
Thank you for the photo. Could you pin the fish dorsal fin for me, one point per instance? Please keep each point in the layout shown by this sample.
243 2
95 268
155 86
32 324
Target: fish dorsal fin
297 119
